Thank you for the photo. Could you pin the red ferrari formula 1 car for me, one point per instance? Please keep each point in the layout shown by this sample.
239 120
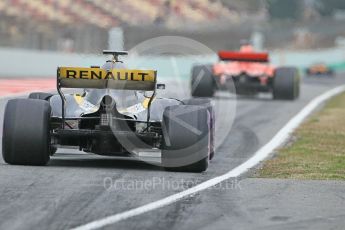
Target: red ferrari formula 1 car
245 72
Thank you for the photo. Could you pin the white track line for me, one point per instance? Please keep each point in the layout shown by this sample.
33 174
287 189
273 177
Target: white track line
258 157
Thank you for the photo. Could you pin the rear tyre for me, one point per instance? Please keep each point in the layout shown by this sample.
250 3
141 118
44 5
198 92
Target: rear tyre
40 96
186 138
203 82
207 103
26 134
45 97
286 84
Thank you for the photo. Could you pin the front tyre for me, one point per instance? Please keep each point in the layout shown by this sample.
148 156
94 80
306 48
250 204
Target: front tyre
40 96
286 84
26 134
203 82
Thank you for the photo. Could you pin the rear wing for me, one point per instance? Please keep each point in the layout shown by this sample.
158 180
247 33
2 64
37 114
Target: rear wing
125 79
243 56
97 78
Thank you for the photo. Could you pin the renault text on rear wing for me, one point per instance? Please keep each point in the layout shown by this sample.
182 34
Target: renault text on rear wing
126 79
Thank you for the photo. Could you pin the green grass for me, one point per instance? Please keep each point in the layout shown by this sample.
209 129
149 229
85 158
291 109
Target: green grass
317 148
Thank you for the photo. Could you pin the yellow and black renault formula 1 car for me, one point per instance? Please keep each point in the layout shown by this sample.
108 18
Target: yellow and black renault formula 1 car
119 114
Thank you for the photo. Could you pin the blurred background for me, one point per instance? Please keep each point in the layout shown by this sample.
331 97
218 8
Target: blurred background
291 29
86 26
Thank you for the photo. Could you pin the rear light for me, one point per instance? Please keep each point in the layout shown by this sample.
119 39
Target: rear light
105 119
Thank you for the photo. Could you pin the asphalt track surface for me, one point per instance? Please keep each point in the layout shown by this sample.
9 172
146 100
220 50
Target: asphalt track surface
77 188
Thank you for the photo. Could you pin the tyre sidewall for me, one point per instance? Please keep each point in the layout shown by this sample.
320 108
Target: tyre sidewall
26 132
